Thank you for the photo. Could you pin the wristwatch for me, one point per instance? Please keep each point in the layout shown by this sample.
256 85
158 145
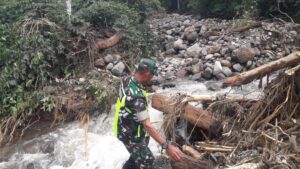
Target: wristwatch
164 146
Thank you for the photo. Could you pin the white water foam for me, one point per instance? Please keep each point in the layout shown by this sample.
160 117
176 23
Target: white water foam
64 148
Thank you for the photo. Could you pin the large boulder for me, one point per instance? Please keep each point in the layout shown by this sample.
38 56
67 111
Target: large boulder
178 45
194 50
192 37
243 55
190 34
207 74
109 58
118 69
217 68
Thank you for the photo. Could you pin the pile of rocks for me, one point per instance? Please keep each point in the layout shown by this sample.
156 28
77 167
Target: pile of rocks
207 49
111 62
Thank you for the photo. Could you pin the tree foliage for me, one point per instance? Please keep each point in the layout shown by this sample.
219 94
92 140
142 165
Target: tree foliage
236 8
33 44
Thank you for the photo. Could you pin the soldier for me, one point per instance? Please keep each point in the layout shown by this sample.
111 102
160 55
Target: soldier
132 125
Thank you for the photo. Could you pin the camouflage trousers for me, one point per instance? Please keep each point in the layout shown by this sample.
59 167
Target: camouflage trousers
140 154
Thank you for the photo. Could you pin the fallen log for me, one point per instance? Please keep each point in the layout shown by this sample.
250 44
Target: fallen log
247 27
189 150
246 77
196 116
112 41
190 163
213 148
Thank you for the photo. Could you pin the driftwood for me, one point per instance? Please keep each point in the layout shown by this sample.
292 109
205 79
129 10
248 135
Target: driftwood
191 151
247 27
190 163
112 41
213 148
196 116
246 77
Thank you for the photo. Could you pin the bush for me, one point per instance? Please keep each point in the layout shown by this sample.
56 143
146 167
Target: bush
31 39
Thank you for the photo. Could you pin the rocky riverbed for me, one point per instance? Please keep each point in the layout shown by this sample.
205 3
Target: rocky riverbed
205 49
208 49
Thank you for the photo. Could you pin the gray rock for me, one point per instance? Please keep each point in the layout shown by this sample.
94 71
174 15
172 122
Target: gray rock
208 65
118 69
100 63
225 63
220 76
189 69
191 61
170 75
207 74
196 68
213 38
109 66
203 29
196 77
209 57
30 166
109 58
227 71
169 46
223 51
177 44
192 37
217 68
249 64
194 50
181 73
213 49
170 52
238 67
169 38
169 32
198 25
186 22
213 86
117 58
182 47
217 55
294 33
204 51
243 55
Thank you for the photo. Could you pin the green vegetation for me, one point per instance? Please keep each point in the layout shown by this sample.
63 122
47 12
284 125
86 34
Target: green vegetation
35 44
228 9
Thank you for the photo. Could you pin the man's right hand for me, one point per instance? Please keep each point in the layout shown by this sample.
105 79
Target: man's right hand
174 152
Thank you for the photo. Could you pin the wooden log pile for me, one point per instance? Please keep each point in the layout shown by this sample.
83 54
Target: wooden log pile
254 138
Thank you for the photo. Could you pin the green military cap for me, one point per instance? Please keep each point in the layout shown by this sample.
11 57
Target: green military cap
148 64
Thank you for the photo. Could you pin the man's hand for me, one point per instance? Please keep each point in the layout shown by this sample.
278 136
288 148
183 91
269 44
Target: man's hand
174 152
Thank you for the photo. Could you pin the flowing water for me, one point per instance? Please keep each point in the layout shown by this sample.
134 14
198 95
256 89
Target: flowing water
64 148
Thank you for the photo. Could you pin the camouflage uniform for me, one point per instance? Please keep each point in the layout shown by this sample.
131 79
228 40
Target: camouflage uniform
130 131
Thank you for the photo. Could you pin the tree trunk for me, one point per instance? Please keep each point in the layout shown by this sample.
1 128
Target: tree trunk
112 41
190 163
246 77
196 116
244 28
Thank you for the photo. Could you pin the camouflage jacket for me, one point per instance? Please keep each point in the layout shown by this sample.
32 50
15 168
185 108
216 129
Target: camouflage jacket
135 111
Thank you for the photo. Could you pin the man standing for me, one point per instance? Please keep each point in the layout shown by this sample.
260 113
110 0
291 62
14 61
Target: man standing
132 125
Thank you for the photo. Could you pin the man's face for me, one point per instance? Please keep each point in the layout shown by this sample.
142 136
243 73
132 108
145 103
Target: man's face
147 76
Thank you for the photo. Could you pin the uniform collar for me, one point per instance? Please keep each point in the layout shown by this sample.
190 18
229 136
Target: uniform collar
140 86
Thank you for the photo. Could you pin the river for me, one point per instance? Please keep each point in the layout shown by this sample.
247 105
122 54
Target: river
64 148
